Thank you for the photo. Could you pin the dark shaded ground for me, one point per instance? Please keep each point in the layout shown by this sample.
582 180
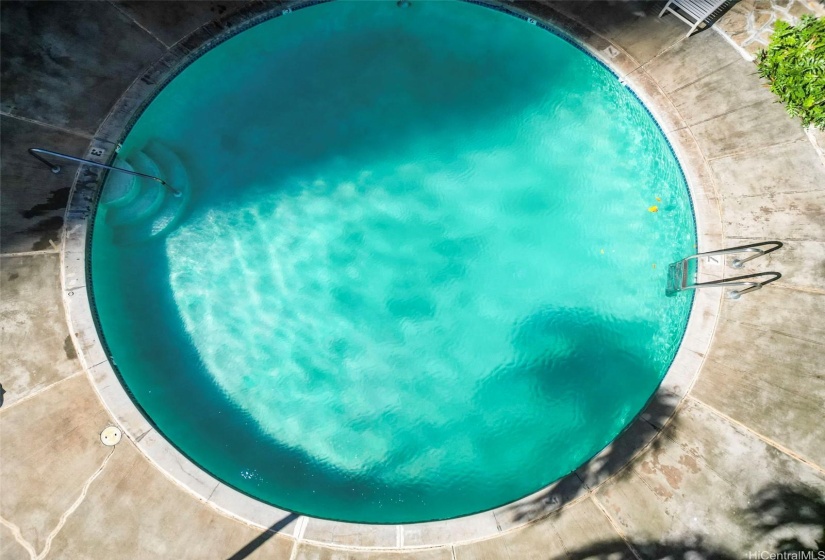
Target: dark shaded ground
256 543
780 511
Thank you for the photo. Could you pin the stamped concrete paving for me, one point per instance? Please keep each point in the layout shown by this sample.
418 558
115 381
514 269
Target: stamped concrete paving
749 435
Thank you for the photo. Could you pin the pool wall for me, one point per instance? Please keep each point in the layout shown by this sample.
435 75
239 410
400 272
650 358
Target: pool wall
182 471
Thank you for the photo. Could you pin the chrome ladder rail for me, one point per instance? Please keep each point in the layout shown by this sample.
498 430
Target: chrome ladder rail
678 272
34 152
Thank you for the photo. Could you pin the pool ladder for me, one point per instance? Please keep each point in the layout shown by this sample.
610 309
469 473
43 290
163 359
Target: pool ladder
678 275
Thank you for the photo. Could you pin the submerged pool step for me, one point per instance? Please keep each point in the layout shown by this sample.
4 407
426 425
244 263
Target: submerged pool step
148 199
172 207
121 188
153 216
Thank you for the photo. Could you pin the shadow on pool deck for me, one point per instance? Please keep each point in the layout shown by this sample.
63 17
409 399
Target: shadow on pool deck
258 541
613 16
640 435
780 514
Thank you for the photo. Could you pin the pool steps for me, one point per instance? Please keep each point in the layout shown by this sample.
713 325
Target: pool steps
120 189
138 209
148 199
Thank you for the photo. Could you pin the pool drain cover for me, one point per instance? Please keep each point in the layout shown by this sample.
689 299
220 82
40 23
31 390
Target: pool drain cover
110 436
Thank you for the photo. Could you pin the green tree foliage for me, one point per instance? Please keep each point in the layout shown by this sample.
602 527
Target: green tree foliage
794 62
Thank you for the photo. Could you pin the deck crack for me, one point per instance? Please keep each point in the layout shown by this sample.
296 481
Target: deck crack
18 536
72 508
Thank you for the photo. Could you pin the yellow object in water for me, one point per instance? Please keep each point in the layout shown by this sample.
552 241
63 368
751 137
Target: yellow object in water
653 209
658 199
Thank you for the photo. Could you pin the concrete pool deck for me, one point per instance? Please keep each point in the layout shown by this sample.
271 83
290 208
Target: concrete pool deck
747 435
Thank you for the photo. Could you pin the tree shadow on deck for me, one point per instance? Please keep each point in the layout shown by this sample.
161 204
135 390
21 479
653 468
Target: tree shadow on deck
642 435
783 518
781 506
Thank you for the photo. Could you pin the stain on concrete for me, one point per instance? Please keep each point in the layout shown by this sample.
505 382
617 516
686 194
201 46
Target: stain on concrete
13 276
68 347
30 191
49 230
673 476
661 491
57 201
66 63
690 463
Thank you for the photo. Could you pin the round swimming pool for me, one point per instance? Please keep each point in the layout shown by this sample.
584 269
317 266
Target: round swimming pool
416 269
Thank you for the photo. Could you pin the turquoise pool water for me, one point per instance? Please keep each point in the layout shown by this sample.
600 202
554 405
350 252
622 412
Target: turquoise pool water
414 273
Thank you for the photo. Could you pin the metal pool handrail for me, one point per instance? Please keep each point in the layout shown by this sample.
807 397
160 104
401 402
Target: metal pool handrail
737 281
678 271
56 168
752 248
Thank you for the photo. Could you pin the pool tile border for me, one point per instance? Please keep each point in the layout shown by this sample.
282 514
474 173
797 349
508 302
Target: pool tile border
183 472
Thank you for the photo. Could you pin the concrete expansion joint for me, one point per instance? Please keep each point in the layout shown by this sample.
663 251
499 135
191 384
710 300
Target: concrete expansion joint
770 148
711 177
772 443
73 132
298 535
738 109
761 196
136 22
638 70
623 77
31 253
785 238
664 51
806 289
40 391
701 77
762 328
616 527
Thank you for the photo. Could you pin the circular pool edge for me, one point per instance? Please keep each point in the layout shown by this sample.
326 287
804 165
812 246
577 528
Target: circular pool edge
570 489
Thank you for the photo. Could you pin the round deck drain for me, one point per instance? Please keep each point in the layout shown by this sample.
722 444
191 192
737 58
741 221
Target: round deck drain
110 436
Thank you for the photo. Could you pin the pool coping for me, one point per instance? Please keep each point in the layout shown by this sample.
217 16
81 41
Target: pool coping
570 489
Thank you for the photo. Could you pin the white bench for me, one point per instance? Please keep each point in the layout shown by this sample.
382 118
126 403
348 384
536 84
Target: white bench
699 10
